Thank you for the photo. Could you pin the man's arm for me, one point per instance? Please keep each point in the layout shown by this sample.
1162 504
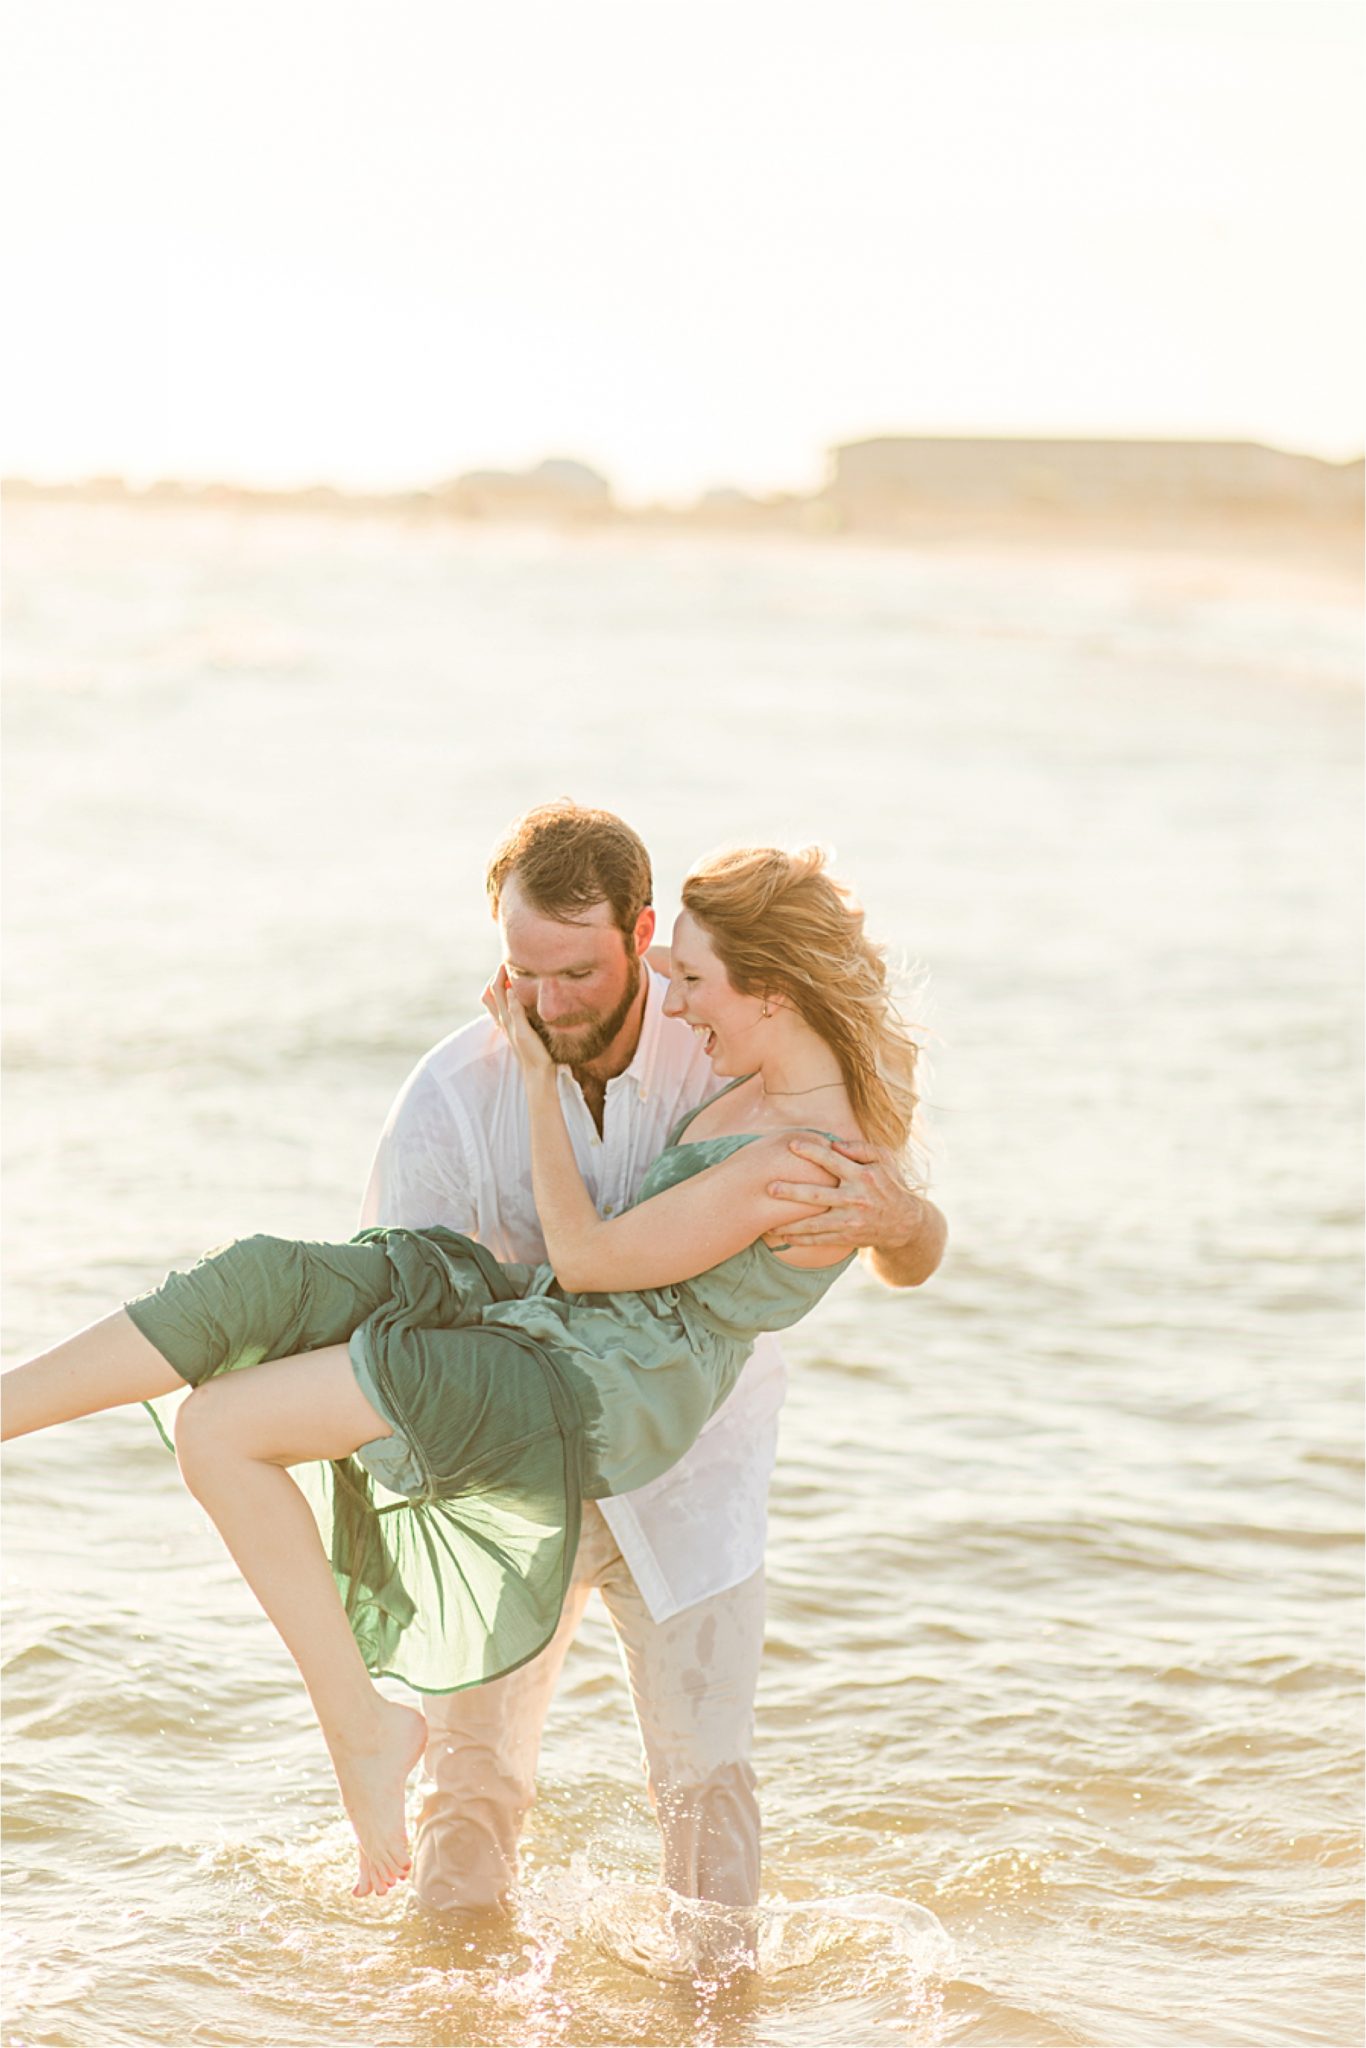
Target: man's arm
420 1175
901 1234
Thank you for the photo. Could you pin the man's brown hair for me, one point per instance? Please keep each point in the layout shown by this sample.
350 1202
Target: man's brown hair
567 858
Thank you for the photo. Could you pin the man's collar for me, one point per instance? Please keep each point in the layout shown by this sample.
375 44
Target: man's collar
641 1063
640 1059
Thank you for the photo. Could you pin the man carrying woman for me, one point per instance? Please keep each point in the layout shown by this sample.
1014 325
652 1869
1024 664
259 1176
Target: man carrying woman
458 1413
678 1563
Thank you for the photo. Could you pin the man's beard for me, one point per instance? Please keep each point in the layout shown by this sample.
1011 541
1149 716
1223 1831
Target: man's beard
578 1048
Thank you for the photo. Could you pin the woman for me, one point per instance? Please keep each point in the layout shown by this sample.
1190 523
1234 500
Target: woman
451 1414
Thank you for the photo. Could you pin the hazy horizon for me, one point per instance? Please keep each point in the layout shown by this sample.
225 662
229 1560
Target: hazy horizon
138 481
287 245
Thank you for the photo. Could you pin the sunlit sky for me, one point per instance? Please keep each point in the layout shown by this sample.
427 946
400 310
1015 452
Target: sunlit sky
695 242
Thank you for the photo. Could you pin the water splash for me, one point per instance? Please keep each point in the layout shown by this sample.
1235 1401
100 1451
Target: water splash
662 1935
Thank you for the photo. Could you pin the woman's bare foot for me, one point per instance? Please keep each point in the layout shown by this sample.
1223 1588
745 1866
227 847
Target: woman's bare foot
372 1776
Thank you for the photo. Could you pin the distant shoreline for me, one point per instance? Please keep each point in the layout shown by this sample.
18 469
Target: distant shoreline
1217 500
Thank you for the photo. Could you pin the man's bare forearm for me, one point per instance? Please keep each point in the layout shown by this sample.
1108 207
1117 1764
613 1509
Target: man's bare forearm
912 1260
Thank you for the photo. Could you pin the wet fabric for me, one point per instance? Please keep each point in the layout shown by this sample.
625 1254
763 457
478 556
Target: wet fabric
510 1402
692 1681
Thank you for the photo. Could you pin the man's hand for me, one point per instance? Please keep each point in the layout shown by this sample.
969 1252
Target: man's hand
529 1048
868 1205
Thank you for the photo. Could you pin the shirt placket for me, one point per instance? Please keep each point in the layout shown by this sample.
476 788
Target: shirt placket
589 1148
616 1149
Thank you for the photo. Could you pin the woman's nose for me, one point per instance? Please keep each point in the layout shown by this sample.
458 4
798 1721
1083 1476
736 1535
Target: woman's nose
673 1002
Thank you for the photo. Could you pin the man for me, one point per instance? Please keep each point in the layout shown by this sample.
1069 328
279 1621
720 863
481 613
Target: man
680 1563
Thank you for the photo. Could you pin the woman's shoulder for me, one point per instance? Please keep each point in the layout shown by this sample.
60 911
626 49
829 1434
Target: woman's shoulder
740 1111
776 1144
760 1156
839 1125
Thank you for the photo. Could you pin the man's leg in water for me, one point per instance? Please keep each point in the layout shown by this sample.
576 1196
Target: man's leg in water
481 1760
693 1680
692 1685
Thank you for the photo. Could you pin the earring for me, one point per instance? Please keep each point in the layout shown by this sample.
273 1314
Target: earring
765 1012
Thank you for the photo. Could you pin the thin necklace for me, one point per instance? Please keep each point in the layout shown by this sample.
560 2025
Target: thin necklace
802 1091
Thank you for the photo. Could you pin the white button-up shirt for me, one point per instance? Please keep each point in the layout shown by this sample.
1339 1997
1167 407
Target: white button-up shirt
456 1150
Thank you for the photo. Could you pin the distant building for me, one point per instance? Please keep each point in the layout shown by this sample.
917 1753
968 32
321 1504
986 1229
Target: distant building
575 479
903 474
557 486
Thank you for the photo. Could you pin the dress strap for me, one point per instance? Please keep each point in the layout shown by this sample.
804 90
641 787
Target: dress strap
683 1122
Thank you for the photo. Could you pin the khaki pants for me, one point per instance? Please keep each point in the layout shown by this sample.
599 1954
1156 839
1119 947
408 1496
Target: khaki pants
692 1685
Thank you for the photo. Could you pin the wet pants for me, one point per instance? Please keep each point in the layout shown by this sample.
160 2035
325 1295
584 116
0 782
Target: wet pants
692 1682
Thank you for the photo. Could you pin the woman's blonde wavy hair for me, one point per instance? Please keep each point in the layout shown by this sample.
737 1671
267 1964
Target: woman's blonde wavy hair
780 924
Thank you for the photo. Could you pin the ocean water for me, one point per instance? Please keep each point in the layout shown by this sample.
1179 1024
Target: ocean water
1059 1729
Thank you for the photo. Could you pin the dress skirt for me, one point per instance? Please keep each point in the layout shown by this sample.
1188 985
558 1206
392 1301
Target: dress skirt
452 1542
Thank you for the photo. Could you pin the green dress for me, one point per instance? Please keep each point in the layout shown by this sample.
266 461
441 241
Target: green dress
511 1402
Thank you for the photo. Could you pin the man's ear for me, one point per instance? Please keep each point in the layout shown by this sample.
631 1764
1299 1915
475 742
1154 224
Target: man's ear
645 930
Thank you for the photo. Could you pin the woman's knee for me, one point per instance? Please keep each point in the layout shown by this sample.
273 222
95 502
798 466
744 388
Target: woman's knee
203 1431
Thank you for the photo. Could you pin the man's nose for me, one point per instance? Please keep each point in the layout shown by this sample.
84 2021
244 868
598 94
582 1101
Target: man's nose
552 1001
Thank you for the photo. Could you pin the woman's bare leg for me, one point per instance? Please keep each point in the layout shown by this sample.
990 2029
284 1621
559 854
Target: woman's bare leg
234 1437
105 1366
